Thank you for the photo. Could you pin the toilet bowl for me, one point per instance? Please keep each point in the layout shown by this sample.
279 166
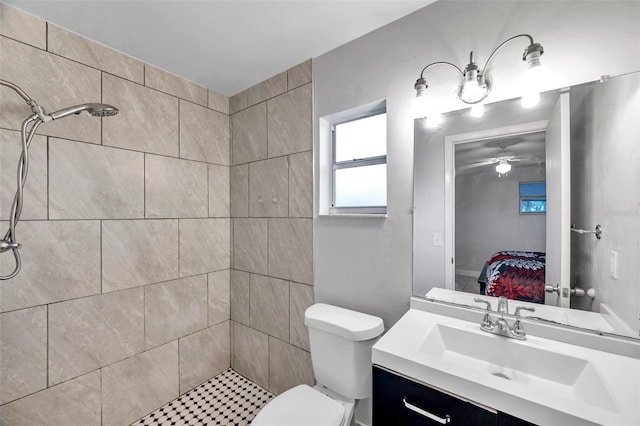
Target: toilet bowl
341 341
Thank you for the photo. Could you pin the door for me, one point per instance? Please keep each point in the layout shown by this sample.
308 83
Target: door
558 257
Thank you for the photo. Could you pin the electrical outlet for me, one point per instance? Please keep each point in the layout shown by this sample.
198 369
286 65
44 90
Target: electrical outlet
613 264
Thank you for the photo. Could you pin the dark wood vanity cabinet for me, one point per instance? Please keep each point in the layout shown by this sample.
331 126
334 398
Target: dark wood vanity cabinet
398 401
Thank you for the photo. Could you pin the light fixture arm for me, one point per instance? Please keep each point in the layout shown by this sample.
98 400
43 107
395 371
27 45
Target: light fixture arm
421 83
507 41
440 63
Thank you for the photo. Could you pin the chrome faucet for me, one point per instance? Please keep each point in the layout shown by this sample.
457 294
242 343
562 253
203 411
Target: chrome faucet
501 326
503 305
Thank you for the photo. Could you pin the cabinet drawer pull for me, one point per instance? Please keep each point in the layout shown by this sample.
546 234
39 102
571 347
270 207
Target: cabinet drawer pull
442 420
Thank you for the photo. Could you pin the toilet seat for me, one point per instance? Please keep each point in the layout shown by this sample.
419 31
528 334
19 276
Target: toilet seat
301 406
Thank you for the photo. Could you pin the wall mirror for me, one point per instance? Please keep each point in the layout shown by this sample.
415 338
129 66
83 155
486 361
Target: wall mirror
523 191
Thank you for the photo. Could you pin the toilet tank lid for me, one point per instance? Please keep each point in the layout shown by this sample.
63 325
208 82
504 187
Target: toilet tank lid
345 323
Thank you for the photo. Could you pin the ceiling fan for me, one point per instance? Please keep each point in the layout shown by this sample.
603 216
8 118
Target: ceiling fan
503 163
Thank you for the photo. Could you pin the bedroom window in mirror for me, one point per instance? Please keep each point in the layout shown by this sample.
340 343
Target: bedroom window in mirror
533 197
359 165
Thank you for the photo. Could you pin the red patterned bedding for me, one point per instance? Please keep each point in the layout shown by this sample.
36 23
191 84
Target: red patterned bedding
516 275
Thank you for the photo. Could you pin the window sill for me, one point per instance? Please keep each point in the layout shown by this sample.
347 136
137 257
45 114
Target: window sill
354 215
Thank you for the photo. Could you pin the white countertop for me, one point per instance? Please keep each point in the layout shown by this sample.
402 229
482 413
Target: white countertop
609 395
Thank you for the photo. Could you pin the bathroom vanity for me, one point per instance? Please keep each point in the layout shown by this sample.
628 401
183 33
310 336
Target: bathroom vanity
436 367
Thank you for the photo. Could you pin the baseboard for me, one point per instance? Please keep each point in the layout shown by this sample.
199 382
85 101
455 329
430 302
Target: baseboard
467 273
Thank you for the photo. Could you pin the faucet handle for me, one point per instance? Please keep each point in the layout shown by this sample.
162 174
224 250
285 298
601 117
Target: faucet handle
486 302
486 323
523 308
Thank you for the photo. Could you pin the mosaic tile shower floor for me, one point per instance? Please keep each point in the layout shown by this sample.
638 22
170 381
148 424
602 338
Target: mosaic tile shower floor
227 399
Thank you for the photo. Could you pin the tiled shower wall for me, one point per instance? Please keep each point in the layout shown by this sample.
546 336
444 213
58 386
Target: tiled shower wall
123 301
272 214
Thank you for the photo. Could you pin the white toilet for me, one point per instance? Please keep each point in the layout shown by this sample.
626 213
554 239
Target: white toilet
341 342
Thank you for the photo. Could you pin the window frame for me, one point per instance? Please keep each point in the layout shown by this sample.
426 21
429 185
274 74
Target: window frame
531 197
354 163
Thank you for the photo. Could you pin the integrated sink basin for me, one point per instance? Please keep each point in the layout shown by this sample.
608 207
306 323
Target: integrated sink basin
531 364
540 380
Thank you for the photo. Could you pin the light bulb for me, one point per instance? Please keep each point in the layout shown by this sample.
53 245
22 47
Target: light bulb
434 119
503 167
420 106
477 110
472 90
535 78
530 99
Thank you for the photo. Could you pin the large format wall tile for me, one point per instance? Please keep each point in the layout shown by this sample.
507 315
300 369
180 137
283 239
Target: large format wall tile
204 354
267 89
81 49
23 353
58 83
301 185
91 332
301 299
35 190
269 299
72 403
250 245
60 261
94 182
239 182
290 122
219 296
249 139
138 252
175 309
147 121
175 188
288 366
204 134
219 191
138 385
177 86
291 249
240 292
219 102
250 354
238 102
205 245
299 75
19 25
268 188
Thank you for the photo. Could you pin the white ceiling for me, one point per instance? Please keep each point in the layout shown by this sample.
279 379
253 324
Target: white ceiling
227 46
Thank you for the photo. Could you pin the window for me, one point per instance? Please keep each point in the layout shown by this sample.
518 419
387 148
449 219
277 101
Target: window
533 197
359 165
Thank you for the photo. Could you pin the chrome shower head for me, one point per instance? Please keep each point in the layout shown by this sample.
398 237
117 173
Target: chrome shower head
96 110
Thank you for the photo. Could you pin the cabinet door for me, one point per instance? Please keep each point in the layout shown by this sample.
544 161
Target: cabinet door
398 401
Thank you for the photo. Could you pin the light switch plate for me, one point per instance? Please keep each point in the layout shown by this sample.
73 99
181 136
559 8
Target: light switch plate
438 239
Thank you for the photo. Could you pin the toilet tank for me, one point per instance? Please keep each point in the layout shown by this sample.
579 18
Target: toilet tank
341 341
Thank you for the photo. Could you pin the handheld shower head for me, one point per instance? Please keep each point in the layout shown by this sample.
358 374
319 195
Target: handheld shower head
96 110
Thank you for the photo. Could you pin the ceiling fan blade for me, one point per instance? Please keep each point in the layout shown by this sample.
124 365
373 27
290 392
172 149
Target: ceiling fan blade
474 165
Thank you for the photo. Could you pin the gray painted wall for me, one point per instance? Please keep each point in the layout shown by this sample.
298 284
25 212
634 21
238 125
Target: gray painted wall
488 217
605 177
366 264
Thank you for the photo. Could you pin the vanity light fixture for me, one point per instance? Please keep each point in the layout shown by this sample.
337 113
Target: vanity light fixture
503 167
475 84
